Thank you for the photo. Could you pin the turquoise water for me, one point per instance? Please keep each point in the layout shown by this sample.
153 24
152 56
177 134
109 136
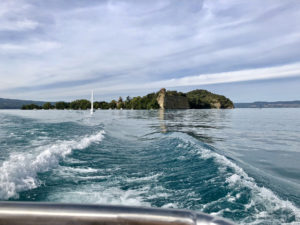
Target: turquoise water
242 164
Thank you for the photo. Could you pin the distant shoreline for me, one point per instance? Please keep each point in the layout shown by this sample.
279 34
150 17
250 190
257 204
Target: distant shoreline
17 104
277 104
148 109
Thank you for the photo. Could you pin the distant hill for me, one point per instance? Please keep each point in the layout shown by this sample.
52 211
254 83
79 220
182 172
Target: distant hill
203 99
279 104
196 99
16 104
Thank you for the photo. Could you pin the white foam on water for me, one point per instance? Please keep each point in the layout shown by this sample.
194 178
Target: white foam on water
74 161
260 195
233 179
181 157
291 223
146 178
110 192
170 205
82 173
100 194
78 169
19 172
85 170
92 177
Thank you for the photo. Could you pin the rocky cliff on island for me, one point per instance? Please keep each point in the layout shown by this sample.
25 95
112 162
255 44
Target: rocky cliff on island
172 100
164 99
197 99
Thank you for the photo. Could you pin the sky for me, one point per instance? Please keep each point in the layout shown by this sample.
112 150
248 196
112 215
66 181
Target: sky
61 50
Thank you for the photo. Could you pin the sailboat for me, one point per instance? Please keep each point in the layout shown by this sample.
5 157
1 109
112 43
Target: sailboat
92 103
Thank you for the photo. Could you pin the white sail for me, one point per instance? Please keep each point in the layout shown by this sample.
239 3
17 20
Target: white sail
92 102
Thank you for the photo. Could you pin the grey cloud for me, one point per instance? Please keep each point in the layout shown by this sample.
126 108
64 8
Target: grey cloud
116 42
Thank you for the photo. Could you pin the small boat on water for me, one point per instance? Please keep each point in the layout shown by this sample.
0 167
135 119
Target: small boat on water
29 213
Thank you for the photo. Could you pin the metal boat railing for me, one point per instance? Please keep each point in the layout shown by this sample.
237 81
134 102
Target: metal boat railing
28 213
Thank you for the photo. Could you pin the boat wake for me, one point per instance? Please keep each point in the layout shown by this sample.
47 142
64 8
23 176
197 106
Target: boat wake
245 195
145 168
19 172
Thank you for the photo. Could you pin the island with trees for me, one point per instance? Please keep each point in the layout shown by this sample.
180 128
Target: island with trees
196 99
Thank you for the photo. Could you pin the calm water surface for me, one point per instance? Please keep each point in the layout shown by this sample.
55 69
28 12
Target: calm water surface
242 164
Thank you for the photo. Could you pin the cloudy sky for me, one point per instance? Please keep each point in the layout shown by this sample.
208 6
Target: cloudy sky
60 50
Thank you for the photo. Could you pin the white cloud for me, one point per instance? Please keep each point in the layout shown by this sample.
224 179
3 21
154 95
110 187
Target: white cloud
284 71
29 48
234 76
14 16
19 25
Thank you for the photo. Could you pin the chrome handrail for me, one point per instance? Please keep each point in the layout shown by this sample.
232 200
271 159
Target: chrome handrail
29 213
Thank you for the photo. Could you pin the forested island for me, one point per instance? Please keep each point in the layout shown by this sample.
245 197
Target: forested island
197 99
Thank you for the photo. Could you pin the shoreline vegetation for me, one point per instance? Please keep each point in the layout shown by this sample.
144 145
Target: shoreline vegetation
196 99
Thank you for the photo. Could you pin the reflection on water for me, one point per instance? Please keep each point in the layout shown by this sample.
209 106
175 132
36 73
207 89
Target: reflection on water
163 126
197 123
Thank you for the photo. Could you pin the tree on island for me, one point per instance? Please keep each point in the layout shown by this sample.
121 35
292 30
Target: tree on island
80 104
127 104
120 103
48 105
101 105
113 104
30 107
62 105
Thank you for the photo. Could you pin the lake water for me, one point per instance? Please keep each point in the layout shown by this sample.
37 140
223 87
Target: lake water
241 164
